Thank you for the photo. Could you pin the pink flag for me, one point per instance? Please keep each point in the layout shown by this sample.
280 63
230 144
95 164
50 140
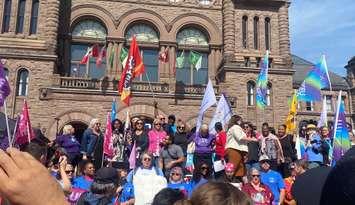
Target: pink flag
86 57
24 132
108 143
101 56
133 157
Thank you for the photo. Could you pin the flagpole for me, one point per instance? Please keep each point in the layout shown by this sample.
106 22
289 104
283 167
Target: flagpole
7 124
87 66
14 133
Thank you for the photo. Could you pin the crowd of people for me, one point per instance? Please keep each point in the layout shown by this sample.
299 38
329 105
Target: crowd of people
170 163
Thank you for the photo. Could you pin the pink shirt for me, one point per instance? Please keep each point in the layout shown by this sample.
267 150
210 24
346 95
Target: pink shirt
155 140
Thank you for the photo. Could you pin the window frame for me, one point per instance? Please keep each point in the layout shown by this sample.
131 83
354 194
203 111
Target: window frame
310 106
34 17
256 32
6 19
329 103
251 95
268 33
20 19
20 84
245 32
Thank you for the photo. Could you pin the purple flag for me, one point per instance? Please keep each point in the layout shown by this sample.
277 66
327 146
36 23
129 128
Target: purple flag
4 86
132 157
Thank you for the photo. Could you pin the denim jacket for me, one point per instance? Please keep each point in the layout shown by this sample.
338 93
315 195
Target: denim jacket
88 142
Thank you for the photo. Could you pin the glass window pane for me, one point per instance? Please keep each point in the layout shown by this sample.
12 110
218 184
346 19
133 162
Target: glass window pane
34 17
20 16
191 36
201 76
6 17
77 70
143 32
150 60
90 29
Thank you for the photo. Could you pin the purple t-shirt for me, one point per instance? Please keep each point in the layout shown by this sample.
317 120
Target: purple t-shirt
203 144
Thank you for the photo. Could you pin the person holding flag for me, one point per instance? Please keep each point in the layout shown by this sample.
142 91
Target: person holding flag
134 67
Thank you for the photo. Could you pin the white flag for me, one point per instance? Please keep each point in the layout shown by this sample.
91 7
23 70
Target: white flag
323 116
222 114
208 100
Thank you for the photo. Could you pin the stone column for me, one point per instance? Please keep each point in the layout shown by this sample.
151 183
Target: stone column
52 21
228 29
284 33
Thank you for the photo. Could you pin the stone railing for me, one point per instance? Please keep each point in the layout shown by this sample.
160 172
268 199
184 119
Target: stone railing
181 88
80 83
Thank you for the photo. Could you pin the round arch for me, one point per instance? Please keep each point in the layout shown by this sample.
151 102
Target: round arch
142 15
200 21
139 109
78 116
93 11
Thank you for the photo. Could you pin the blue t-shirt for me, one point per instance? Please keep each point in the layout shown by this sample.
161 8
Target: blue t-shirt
274 181
82 183
127 192
185 188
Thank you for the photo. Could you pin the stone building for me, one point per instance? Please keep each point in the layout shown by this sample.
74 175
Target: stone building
42 43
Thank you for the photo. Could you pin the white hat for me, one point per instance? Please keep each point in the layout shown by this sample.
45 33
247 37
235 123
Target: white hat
263 157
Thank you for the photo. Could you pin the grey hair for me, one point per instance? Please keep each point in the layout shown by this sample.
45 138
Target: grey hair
93 122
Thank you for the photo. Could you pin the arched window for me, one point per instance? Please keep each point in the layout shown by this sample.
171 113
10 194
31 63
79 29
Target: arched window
34 17
192 44
245 31
268 94
22 82
256 32
88 30
251 93
20 16
6 16
148 39
267 33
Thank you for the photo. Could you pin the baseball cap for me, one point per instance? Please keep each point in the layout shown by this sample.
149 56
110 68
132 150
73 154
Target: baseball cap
106 175
311 126
229 167
264 158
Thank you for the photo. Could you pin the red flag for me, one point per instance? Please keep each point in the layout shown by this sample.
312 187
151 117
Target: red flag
95 51
164 56
108 142
134 67
102 55
24 133
86 57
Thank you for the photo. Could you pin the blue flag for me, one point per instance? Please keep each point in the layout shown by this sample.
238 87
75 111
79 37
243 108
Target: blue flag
113 110
222 114
208 100
261 83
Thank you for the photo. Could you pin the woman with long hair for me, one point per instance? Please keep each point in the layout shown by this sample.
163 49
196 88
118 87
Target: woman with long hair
140 137
156 137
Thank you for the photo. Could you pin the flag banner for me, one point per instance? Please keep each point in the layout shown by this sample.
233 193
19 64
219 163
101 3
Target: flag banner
113 110
108 142
134 67
341 141
180 61
208 100
112 56
261 83
24 133
316 79
95 51
222 114
4 86
123 56
133 157
195 59
164 55
101 57
323 121
291 117
86 57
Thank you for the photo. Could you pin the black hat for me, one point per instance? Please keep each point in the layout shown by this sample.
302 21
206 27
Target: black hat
106 175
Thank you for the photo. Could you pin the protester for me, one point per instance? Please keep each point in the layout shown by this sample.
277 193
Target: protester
213 193
229 176
176 181
171 128
180 137
120 144
127 194
65 175
272 179
85 180
170 156
156 138
140 137
70 145
236 146
253 146
288 185
38 151
168 196
301 166
271 147
25 181
257 191
288 149
221 139
204 144
92 143
314 147
326 144
103 189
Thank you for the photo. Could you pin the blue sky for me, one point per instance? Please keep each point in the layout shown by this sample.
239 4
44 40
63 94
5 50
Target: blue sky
323 26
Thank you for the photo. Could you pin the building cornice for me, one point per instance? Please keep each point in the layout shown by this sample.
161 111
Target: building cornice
29 56
240 69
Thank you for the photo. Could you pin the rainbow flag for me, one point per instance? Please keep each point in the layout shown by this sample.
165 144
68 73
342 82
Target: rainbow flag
261 83
341 141
317 79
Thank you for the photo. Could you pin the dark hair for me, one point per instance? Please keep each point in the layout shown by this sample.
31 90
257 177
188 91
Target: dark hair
197 174
213 193
283 125
272 130
302 163
36 150
235 120
218 126
167 196
172 117
107 189
120 129
265 124
83 164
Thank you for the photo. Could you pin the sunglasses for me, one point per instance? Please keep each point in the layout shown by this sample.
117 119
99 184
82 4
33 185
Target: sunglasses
175 174
147 159
69 171
139 123
157 124
255 175
204 168
180 127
